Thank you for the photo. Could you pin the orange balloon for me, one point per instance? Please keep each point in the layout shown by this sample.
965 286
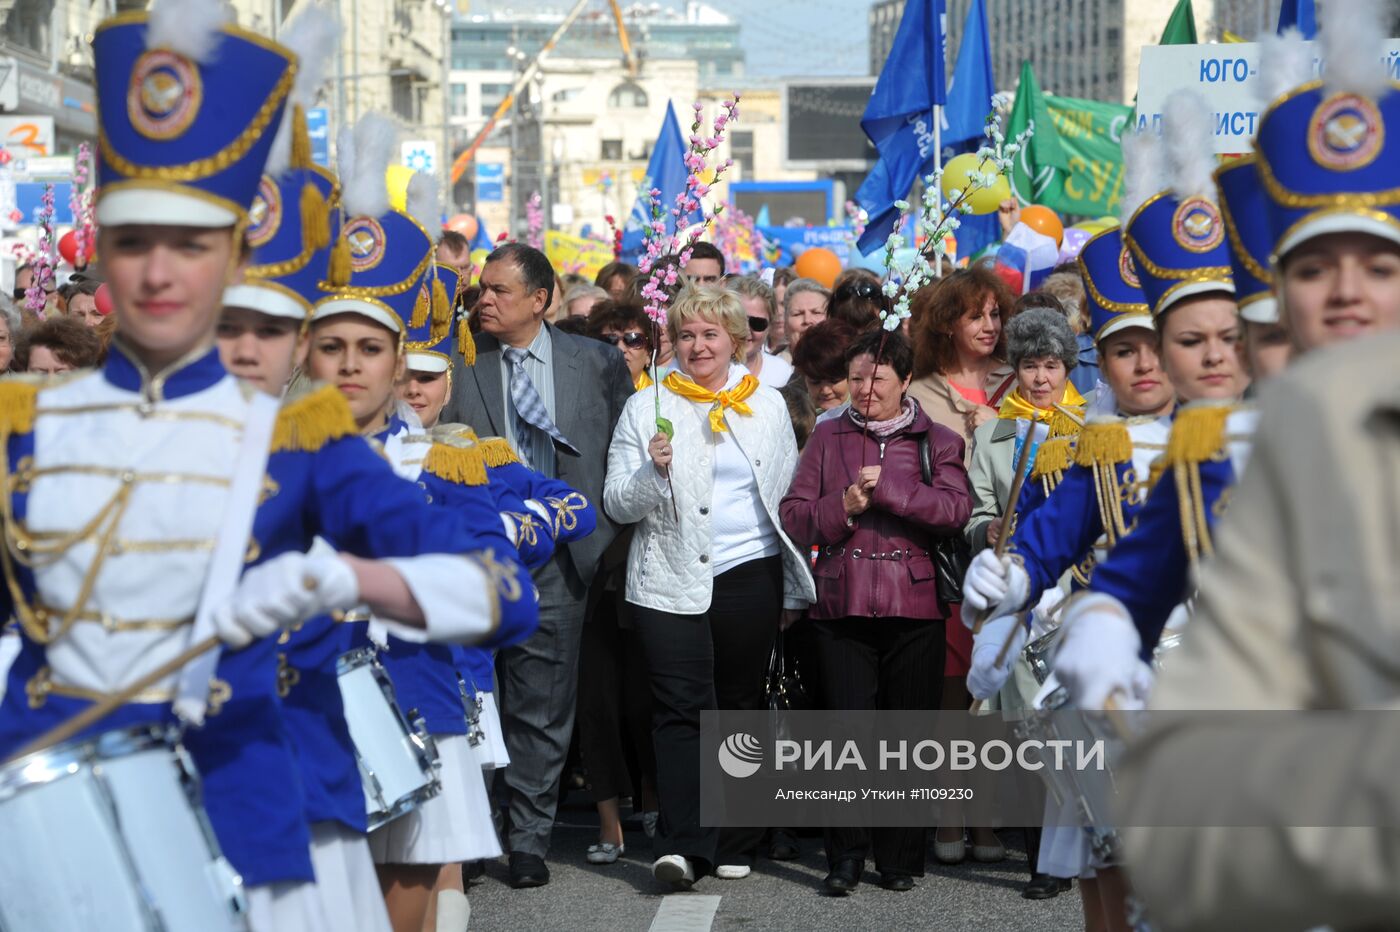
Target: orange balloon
820 264
465 224
1045 222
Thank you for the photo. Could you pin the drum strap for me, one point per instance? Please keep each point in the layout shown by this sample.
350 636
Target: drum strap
230 550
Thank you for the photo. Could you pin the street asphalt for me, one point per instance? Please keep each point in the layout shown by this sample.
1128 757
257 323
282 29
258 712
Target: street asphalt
777 895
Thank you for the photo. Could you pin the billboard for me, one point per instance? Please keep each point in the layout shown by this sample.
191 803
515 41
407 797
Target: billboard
822 119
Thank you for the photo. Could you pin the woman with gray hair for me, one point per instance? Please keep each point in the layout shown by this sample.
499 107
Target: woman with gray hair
10 327
1041 347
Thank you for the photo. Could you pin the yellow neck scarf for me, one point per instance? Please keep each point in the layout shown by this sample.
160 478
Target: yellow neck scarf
1014 406
718 401
643 381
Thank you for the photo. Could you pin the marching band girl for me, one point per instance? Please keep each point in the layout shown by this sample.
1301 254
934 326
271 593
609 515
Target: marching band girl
123 478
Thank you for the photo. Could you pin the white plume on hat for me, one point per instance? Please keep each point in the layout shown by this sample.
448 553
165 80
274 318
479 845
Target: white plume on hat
1285 61
187 27
1144 173
1351 38
1187 129
421 202
312 36
363 154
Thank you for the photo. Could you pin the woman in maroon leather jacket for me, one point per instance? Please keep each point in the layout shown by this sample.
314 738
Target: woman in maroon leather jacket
859 495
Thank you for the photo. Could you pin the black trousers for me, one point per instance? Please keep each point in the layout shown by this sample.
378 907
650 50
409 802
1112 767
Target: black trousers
868 663
614 704
715 660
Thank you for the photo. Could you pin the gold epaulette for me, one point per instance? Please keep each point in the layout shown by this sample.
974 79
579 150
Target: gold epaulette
495 451
1198 434
1053 458
1155 471
459 463
18 398
312 421
1104 443
1063 425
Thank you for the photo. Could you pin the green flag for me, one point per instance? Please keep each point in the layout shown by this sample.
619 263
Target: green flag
1074 163
1181 28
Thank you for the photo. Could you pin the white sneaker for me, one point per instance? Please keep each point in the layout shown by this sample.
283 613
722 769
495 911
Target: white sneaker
673 869
732 871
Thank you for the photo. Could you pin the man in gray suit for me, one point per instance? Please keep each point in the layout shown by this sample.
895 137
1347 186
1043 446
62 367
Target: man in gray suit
556 398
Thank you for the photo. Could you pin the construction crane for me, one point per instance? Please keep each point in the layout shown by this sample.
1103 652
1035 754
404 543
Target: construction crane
459 165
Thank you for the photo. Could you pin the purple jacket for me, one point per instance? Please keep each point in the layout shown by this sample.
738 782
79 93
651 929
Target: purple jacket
883 566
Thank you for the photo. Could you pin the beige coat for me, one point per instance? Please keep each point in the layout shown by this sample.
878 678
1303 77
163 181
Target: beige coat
942 402
1300 609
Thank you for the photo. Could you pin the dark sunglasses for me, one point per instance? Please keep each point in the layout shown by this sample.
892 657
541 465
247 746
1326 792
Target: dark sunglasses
859 289
758 324
632 339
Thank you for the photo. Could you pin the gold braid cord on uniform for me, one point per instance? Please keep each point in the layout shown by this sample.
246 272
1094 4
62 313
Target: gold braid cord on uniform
1102 448
1198 435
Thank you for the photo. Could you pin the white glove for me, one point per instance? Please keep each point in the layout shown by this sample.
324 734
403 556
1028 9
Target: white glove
999 584
986 678
282 593
1044 617
1098 652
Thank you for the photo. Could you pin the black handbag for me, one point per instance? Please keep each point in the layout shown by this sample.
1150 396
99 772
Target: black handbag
951 554
783 688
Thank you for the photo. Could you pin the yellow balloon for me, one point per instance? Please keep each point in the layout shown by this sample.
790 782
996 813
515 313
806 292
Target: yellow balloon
956 178
707 176
478 263
396 180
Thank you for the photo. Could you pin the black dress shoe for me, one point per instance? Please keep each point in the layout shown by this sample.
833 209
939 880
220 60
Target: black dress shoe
783 847
1045 887
844 877
527 870
899 883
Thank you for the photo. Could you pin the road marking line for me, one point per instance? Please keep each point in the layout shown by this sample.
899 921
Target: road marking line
685 912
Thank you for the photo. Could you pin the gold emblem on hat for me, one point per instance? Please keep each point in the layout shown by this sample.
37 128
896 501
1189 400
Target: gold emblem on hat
1196 225
164 95
1127 269
367 242
1345 133
265 216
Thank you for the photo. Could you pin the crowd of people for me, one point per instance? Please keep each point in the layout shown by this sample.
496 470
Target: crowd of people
391 551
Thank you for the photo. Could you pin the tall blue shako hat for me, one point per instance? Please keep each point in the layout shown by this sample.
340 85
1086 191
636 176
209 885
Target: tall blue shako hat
1177 235
1244 209
188 105
1111 283
1326 160
382 262
431 344
292 218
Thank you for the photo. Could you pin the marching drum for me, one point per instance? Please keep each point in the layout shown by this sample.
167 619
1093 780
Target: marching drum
398 763
115 839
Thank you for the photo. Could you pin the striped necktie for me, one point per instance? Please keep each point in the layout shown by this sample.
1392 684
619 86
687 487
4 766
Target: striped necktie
529 407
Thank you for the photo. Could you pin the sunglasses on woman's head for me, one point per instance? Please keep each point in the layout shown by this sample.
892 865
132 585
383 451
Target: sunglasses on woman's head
859 288
758 324
632 339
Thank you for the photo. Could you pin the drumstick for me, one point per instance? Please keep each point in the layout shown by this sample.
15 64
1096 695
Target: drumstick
109 704
1018 480
1115 715
1069 413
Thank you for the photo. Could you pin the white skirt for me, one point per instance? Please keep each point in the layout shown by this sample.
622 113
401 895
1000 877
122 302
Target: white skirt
482 834
9 650
496 756
1064 849
345 879
438 831
293 906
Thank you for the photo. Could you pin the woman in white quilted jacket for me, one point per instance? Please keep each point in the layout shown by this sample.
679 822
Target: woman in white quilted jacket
710 571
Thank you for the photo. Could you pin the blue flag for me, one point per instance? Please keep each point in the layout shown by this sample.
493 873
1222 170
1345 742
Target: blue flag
899 117
1301 14
667 173
970 92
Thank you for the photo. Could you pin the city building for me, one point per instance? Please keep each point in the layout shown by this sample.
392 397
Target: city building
1079 48
580 132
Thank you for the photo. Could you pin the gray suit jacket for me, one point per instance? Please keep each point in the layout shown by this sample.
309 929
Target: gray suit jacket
591 384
